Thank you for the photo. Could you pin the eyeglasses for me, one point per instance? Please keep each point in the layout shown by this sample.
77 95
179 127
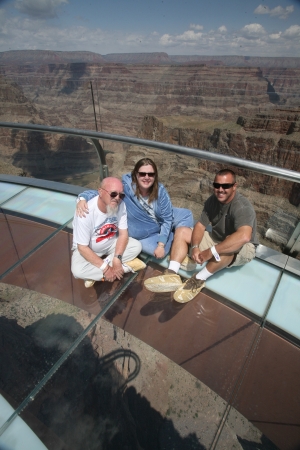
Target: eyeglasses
223 186
150 174
115 194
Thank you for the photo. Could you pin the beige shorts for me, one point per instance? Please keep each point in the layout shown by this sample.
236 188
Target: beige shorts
245 255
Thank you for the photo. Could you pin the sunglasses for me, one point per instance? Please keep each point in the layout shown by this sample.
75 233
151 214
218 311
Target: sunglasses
115 194
150 174
223 186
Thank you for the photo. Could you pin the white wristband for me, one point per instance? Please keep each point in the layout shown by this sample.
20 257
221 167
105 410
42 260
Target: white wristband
215 253
105 264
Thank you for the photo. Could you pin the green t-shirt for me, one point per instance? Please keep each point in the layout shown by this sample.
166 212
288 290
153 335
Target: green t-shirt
226 219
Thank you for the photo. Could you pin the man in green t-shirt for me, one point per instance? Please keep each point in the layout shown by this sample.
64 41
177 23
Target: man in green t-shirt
230 242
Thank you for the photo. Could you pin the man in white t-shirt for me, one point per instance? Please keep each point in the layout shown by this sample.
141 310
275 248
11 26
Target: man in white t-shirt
101 246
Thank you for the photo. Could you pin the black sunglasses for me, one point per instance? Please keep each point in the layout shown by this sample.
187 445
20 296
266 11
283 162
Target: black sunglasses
115 194
143 174
223 186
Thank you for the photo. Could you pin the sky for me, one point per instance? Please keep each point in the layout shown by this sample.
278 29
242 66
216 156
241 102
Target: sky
177 27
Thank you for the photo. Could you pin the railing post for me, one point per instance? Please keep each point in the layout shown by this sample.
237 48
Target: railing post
103 169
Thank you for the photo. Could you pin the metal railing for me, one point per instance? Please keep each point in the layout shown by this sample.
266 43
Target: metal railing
94 137
293 244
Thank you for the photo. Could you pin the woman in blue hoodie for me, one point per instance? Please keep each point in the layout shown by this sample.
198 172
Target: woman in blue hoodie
151 217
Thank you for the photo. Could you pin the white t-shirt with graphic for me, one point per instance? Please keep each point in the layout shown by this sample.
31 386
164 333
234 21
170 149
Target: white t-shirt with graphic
97 229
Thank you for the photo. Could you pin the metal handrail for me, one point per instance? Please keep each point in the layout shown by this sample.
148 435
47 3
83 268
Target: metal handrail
94 136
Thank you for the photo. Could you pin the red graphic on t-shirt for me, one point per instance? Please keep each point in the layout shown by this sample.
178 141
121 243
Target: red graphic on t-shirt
106 232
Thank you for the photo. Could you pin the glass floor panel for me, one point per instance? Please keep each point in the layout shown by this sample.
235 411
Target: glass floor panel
8 190
48 205
285 309
19 237
250 286
18 435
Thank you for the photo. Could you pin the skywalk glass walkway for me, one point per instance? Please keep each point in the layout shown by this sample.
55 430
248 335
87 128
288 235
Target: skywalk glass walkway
116 366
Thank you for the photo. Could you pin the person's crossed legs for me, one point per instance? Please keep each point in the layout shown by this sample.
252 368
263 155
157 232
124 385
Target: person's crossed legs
185 292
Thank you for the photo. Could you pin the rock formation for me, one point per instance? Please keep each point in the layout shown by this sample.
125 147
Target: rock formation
53 157
49 56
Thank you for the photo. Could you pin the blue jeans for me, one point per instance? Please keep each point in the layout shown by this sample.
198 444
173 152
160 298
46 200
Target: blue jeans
182 218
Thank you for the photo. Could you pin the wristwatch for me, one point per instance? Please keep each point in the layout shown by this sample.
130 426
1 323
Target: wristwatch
119 257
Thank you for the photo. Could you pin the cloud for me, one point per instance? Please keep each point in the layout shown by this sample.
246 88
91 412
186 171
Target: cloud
275 35
222 29
253 31
193 26
188 37
252 39
278 11
17 33
292 32
41 9
35 34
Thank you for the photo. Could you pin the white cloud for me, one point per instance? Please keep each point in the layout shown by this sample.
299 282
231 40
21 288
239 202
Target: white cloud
253 31
292 32
275 35
193 26
278 11
27 33
222 29
252 39
189 37
41 9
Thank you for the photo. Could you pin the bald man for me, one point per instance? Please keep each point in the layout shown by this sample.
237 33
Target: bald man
101 246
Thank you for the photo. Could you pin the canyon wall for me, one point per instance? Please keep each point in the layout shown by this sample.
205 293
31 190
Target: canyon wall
125 94
268 139
36 154
152 58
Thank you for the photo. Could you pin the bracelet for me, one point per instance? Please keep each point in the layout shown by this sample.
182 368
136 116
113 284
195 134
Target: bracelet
161 245
215 253
195 246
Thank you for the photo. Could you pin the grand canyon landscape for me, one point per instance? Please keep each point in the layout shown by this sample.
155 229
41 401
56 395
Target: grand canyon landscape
245 107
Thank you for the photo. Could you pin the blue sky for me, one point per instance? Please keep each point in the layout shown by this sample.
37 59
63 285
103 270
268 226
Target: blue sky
177 27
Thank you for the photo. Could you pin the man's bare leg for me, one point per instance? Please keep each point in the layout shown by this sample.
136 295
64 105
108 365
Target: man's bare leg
214 266
170 281
180 246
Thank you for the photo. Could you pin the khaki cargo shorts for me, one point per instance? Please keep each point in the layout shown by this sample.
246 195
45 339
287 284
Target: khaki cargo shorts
245 255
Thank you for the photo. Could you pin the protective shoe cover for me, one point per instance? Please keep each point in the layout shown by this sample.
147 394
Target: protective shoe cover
163 283
189 290
134 265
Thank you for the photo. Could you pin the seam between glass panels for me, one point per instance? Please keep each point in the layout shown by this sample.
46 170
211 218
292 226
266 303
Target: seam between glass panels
14 195
47 239
64 357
